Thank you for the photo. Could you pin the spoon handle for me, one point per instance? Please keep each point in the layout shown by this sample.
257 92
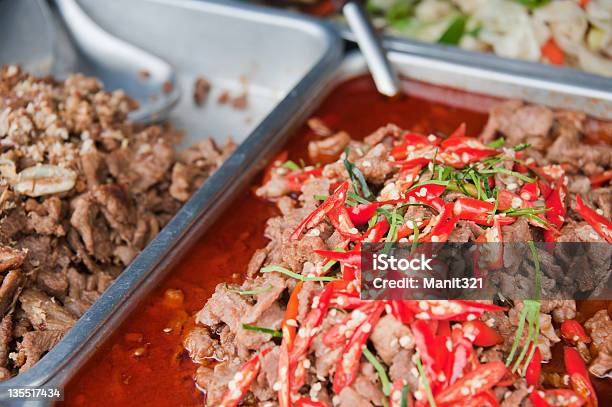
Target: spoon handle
385 77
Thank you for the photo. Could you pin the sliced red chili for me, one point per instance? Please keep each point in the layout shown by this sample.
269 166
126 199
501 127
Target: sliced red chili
343 330
341 220
530 191
347 366
377 231
483 378
398 392
601 225
295 179
600 179
555 398
481 334
362 213
479 212
239 384
534 369
573 332
407 177
276 162
583 387
307 402
315 217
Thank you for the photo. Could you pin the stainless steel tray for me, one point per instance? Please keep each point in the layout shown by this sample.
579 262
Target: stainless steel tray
286 59
532 70
422 68
464 71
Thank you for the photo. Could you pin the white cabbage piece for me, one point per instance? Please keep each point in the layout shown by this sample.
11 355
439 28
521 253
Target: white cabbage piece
431 11
568 25
469 6
506 26
44 180
599 38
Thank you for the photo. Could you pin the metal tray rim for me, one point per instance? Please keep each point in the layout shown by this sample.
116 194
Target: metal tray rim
203 200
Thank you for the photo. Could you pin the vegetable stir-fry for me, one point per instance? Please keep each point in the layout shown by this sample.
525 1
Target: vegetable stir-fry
559 32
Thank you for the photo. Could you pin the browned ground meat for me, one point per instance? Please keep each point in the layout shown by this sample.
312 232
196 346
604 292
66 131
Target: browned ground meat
82 191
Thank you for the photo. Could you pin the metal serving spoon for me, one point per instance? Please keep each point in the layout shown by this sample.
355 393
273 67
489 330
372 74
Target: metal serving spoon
38 41
119 65
385 76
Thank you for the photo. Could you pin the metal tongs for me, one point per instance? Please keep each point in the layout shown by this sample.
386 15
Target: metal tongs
385 77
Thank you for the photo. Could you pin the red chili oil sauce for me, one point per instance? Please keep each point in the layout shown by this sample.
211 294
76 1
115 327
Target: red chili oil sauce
143 362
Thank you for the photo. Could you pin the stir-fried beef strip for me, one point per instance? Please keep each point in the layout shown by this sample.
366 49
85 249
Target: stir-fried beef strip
82 191
296 332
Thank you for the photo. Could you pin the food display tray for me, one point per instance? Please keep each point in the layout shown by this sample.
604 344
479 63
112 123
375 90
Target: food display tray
281 60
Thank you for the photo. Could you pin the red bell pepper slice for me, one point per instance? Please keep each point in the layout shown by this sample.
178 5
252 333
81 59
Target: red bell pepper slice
600 179
573 332
481 334
483 378
347 367
601 225
534 369
315 217
239 385
555 398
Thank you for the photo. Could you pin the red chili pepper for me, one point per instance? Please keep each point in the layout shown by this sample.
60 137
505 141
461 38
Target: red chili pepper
441 231
377 231
483 334
295 179
341 220
362 213
239 385
530 191
555 398
419 161
347 367
479 211
601 225
424 340
484 399
315 217
573 332
556 201
306 402
284 374
291 312
475 382
312 322
407 177
342 331
457 134
583 387
462 351
600 179
534 369
411 151
402 311
574 363
416 138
